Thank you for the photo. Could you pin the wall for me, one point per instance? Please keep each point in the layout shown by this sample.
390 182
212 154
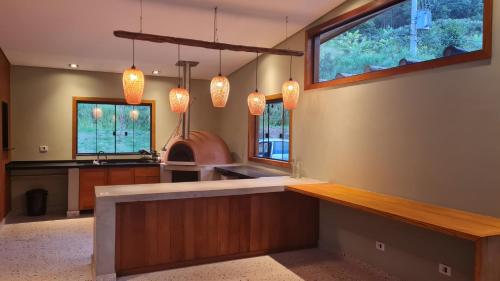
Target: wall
42 107
431 136
55 181
4 155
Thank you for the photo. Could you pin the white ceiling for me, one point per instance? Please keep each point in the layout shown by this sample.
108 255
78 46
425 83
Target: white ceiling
54 33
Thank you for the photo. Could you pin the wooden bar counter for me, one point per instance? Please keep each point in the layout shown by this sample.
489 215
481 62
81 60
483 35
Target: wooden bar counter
483 231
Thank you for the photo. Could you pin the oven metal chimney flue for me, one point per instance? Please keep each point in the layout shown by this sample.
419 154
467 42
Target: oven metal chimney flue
186 84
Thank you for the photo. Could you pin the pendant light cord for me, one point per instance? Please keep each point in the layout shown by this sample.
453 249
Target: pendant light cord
287 46
220 62
133 41
140 19
178 65
133 53
256 73
216 38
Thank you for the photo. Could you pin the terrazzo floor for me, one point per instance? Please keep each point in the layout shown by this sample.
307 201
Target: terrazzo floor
61 249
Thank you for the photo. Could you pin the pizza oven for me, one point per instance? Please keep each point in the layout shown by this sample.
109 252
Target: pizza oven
193 158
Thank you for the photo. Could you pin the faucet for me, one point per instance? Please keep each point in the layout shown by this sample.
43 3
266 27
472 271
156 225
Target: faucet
98 161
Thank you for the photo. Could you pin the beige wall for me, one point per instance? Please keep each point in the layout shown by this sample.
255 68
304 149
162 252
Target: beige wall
42 107
432 135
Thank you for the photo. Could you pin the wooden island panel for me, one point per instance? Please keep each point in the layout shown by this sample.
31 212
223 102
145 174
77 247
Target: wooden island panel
156 235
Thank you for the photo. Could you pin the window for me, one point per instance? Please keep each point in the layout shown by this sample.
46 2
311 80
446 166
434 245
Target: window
389 37
111 126
270 134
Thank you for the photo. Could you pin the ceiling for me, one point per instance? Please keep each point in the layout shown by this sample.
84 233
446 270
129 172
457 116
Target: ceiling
54 33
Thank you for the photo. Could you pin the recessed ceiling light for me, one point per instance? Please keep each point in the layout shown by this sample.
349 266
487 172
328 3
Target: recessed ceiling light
156 72
73 65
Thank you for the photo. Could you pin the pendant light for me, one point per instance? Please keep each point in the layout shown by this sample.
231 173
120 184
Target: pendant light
179 97
219 86
96 113
134 115
290 89
256 101
133 78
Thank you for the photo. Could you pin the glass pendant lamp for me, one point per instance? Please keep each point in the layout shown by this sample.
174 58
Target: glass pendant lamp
179 97
133 85
290 89
256 101
219 86
133 78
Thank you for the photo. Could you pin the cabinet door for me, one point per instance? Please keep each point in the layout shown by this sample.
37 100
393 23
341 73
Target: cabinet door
90 178
120 176
147 171
146 180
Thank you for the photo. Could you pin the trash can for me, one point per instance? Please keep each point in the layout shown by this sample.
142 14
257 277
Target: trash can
36 202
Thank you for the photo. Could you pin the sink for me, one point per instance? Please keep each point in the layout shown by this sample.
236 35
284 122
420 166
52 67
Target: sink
118 163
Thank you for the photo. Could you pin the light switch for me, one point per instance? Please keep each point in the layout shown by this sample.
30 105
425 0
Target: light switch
43 148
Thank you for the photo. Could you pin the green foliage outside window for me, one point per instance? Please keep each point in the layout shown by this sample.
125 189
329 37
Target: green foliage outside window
384 40
113 128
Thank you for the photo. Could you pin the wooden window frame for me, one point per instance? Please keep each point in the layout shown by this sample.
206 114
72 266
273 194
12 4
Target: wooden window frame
151 103
311 66
252 142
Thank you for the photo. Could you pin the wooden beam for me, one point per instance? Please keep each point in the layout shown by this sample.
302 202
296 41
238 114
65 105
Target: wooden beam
204 44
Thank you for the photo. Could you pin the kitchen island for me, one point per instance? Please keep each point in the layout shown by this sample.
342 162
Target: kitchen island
142 228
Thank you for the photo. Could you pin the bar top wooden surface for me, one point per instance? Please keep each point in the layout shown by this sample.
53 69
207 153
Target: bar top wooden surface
453 222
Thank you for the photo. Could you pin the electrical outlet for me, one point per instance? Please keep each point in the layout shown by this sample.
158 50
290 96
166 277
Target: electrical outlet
380 246
43 148
445 269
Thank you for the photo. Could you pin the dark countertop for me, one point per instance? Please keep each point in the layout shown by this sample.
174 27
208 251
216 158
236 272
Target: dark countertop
68 164
248 172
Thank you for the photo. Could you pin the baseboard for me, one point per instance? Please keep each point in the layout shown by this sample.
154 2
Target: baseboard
106 277
72 214
355 260
102 277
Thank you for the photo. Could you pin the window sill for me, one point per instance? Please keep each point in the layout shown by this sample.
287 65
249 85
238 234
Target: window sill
276 163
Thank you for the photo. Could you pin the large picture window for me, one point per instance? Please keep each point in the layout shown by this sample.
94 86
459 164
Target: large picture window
389 37
112 127
270 134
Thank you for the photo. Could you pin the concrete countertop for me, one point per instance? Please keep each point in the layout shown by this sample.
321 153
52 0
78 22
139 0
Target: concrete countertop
181 190
249 172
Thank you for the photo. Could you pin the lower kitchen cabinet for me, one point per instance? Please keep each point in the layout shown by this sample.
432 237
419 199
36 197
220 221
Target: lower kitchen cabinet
144 175
146 180
92 177
89 178
119 176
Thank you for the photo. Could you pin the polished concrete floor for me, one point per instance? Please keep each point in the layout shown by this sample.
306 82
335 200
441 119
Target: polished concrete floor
60 250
